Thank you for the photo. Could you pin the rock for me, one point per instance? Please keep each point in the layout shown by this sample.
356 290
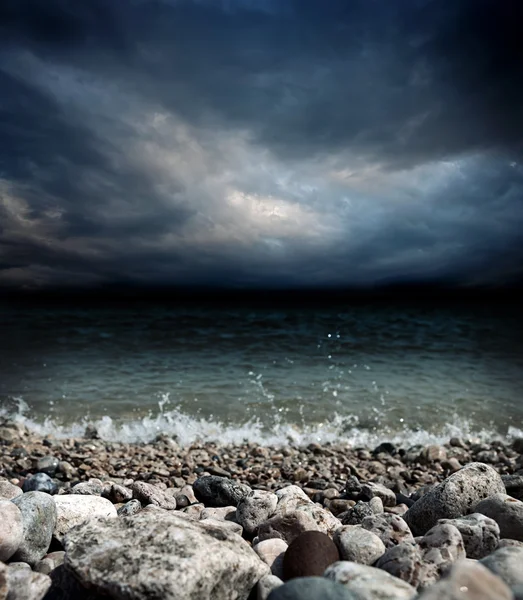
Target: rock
73 509
290 498
309 554
93 487
287 526
272 552
404 561
119 493
8 491
357 513
376 490
468 580
40 482
182 501
513 485
517 590
219 491
323 518
20 565
432 454
440 547
129 508
480 534
454 497
50 562
506 563
64 586
369 583
376 505
358 545
255 508
3 581
266 585
67 470
311 588
506 511
39 520
26 585
150 494
391 529
221 524
224 513
11 529
506 543
187 490
48 465
162 556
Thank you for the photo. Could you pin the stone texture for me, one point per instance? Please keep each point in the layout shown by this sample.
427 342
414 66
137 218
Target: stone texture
506 563
404 561
440 547
468 580
50 562
40 482
27 585
312 588
162 556
11 529
391 529
266 585
8 491
309 555
480 534
219 491
507 512
120 493
220 523
150 494
255 508
93 487
289 498
129 508
359 545
47 465
369 583
356 514
454 497
225 513
376 490
272 552
287 526
3 581
72 509
39 520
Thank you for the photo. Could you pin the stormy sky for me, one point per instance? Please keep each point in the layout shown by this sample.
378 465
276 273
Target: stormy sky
260 142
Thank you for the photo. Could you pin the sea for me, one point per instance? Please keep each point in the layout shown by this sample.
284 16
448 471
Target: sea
358 374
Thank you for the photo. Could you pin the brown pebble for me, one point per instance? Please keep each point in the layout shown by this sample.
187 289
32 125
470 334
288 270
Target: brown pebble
309 555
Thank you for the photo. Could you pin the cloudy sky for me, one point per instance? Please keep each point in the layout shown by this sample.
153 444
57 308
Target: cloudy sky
260 142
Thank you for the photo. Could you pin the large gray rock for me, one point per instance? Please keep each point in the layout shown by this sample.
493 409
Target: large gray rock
506 563
39 520
404 561
26 585
507 512
312 588
468 580
440 547
358 545
73 509
8 491
454 497
255 508
391 529
480 534
162 555
369 583
11 529
219 491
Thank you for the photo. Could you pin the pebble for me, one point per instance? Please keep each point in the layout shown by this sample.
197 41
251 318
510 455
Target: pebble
11 529
309 554
507 563
312 588
50 562
404 561
8 491
93 487
480 534
440 547
39 516
129 508
272 552
357 513
27 585
287 526
290 498
372 490
221 524
266 585
454 497
219 491
391 529
223 513
147 493
119 493
514 485
48 465
507 512
369 583
3 581
255 508
73 509
358 544
40 482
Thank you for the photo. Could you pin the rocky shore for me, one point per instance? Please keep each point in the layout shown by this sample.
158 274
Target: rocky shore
90 519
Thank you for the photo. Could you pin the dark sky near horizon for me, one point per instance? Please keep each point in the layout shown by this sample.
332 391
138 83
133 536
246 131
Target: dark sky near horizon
260 142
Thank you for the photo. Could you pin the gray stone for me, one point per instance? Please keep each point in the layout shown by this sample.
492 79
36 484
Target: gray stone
27 585
3 581
120 493
287 526
507 512
73 509
50 562
440 547
377 490
147 494
376 505
272 552
8 491
11 529
40 482
324 519
506 563
517 590
266 585
47 465
356 514
513 485
468 580
454 497
391 529
223 513
219 491
93 487
358 545
129 508
506 543
220 523
290 498
39 520
162 556
404 561
255 508
20 565
480 534
369 583
312 588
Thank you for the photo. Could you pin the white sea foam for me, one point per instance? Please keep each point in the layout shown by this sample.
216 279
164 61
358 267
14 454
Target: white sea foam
187 429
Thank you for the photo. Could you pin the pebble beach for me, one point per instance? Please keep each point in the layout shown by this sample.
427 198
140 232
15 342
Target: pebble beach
87 518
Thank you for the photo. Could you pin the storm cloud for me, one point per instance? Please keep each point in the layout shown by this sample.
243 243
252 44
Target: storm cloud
256 142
